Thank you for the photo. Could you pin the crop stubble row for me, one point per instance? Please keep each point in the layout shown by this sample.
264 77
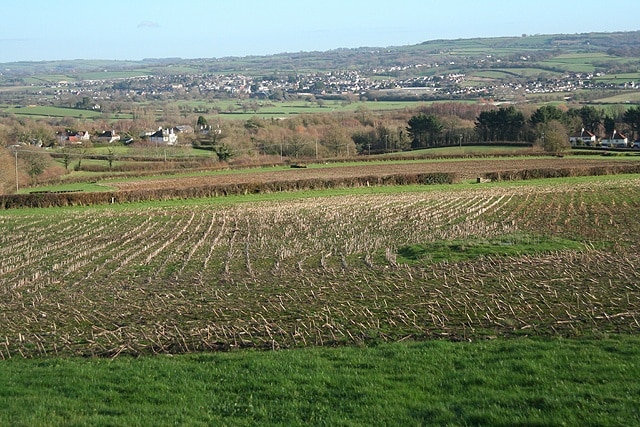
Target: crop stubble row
313 272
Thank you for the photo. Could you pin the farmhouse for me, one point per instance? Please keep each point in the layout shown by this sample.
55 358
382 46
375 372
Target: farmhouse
617 140
164 136
584 138
183 129
109 136
73 137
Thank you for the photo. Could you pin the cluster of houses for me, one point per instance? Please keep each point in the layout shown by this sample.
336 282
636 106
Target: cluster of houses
162 136
589 139
445 85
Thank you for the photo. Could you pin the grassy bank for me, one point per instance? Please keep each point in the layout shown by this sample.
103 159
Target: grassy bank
586 382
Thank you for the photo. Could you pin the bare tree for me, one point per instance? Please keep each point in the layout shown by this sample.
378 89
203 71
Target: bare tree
554 137
7 172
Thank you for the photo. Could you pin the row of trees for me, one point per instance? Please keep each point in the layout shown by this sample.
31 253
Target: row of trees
544 123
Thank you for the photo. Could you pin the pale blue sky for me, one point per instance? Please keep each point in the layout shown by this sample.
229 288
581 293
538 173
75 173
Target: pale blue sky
136 29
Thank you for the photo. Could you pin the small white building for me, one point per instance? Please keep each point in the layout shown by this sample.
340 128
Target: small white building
183 129
617 140
109 136
584 138
164 136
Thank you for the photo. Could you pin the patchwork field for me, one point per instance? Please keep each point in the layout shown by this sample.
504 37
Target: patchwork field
324 271
462 170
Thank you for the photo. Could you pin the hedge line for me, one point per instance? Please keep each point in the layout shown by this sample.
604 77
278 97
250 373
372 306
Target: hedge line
42 200
524 174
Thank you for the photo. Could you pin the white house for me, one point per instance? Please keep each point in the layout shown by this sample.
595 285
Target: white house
73 137
617 140
164 136
183 129
109 136
584 138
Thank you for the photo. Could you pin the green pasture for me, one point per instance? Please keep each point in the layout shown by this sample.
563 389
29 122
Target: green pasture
48 111
618 78
46 79
505 245
583 58
495 45
528 72
102 75
510 73
133 151
494 74
625 97
575 67
232 109
575 382
580 62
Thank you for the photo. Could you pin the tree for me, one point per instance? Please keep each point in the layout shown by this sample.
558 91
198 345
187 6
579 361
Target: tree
363 114
632 118
211 137
591 118
554 137
36 163
294 145
7 172
83 153
609 125
253 125
254 106
424 130
335 139
277 94
365 140
504 124
545 114
111 156
202 123
66 158
223 152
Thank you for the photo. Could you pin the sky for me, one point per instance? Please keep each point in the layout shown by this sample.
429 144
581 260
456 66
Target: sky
38 30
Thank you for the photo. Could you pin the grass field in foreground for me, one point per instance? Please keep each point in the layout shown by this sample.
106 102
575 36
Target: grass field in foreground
532 382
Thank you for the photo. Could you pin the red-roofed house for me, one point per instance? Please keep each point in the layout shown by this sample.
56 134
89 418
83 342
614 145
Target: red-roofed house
584 138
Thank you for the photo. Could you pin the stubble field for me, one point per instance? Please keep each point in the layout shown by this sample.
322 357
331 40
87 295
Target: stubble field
326 271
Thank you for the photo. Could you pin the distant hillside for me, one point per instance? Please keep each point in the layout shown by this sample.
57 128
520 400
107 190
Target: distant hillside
450 54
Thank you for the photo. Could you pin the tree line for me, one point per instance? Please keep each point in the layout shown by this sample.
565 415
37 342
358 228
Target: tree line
335 135
550 125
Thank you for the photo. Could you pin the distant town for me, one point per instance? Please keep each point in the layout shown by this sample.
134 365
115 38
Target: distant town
324 85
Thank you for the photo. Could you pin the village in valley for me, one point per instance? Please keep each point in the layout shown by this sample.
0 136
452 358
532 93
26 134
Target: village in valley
171 100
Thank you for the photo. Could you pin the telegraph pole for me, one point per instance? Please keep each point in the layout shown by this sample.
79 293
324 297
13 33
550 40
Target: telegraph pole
15 153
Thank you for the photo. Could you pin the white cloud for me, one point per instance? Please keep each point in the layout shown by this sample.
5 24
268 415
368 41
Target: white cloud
148 24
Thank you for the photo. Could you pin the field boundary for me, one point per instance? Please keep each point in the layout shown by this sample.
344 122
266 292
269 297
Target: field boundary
58 199
55 199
